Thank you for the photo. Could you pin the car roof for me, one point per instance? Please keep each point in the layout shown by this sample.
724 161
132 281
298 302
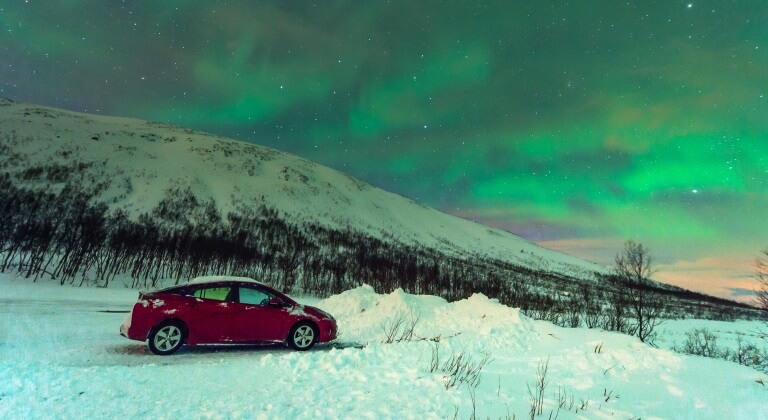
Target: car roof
225 279
219 279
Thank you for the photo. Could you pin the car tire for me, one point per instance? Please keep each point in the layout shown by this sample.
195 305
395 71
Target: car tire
302 336
167 337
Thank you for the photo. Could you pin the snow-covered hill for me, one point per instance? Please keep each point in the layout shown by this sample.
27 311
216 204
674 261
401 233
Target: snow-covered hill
132 164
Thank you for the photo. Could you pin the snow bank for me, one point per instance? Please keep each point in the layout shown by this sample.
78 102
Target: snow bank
365 317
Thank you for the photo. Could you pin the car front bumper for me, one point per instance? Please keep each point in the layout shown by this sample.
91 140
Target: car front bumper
328 331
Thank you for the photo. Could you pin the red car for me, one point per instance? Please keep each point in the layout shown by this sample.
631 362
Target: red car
217 310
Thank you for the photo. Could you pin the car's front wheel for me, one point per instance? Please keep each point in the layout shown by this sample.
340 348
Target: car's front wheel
167 337
303 336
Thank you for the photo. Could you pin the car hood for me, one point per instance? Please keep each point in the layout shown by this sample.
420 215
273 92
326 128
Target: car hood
312 312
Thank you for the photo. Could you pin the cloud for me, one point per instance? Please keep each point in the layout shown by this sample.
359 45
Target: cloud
726 276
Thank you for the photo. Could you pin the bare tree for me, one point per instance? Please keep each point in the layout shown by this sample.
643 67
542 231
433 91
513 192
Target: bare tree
634 263
761 266
634 267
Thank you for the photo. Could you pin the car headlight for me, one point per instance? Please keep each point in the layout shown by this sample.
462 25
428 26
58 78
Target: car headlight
325 314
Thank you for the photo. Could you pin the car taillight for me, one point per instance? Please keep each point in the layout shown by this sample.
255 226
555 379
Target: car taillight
143 300
149 300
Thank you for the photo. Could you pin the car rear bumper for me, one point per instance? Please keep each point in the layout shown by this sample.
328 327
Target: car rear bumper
125 331
132 329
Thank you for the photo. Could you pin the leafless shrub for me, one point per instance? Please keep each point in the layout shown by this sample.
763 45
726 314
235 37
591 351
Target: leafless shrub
592 311
700 342
584 404
564 401
400 328
536 392
434 364
473 399
460 368
749 355
608 395
592 318
572 318
546 314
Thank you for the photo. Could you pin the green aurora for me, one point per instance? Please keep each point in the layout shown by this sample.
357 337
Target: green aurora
575 124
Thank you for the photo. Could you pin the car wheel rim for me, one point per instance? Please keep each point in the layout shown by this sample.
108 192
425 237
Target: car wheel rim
304 336
168 338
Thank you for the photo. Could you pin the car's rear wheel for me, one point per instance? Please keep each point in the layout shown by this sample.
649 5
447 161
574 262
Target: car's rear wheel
167 337
303 336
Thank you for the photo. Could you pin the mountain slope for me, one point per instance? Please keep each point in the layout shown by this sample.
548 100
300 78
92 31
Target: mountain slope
132 164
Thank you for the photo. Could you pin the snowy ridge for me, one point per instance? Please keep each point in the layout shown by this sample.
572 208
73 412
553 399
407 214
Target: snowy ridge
139 161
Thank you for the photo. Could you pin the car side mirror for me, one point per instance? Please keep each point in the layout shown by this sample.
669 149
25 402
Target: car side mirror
277 302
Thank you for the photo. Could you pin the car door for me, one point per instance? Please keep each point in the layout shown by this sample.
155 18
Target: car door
210 313
255 320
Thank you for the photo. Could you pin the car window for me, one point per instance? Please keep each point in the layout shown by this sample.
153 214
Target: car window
213 293
254 296
183 291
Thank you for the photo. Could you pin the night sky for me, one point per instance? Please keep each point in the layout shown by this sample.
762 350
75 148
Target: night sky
578 125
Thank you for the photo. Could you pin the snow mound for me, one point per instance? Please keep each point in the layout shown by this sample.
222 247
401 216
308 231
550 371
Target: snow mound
365 316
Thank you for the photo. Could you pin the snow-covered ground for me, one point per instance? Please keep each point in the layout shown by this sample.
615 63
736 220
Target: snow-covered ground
61 357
